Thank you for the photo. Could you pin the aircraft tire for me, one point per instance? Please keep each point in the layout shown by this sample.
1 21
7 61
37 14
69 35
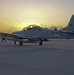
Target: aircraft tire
20 43
15 42
40 43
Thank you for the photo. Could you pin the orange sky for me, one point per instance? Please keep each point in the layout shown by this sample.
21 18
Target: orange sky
16 14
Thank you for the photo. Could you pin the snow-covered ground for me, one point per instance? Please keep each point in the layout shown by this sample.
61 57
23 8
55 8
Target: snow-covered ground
55 57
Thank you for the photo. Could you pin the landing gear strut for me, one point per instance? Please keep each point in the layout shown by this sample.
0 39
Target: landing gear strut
20 43
40 43
14 42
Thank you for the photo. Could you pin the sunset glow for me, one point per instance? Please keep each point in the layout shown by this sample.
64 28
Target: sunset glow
17 14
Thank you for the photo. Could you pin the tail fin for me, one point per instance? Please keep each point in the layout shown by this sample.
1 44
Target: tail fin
70 27
71 23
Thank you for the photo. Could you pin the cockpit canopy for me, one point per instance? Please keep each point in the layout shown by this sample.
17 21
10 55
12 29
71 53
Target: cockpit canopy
31 27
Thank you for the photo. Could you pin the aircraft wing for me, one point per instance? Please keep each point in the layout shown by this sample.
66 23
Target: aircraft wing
22 38
18 36
11 35
2 33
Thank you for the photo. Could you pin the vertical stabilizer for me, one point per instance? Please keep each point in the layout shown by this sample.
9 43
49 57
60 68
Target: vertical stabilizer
70 27
71 23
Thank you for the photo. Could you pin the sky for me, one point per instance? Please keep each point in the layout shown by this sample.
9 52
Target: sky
17 14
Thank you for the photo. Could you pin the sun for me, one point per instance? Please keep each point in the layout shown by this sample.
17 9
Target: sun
27 23
30 17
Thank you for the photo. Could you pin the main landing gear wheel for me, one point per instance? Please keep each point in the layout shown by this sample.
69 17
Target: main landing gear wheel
40 43
15 42
20 43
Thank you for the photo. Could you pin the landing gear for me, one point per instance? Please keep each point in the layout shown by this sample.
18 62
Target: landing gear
20 43
40 43
15 42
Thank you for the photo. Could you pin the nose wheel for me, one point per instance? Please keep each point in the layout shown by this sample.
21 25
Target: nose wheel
40 43
20 43
15 42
